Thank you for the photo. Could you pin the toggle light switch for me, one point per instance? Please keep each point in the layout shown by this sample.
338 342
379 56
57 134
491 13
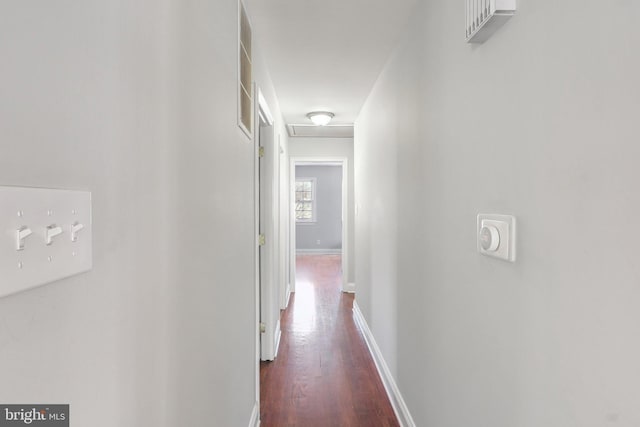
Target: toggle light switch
52 231
36 246
75 229
21 235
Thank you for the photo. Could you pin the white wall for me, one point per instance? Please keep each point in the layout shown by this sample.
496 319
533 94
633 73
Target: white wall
211 345
84 106
333 147
135 101
552 102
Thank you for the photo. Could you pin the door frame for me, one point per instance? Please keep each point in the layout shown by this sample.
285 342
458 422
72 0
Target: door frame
262 113
268 211
320 160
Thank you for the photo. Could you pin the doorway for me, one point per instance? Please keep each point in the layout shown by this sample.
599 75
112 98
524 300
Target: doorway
319 213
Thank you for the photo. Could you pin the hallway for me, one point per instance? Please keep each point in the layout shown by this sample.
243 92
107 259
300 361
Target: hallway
167 112
324 375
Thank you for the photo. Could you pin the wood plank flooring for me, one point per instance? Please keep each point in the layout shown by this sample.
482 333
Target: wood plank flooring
323 375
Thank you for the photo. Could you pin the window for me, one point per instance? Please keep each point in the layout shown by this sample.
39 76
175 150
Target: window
245 90
305 200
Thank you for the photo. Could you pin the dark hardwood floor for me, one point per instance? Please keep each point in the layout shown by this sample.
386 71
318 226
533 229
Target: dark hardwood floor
323 375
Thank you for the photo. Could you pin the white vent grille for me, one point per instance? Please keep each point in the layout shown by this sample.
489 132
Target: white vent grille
312 131
484 17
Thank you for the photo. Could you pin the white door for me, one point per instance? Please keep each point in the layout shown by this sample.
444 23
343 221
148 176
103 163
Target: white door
268 256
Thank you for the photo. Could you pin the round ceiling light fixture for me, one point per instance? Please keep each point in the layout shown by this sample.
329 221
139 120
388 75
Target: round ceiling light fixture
320 118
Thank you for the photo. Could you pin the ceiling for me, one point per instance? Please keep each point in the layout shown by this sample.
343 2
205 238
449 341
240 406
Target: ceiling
326 55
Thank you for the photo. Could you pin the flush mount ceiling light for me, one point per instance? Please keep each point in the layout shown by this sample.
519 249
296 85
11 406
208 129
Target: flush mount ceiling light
320 118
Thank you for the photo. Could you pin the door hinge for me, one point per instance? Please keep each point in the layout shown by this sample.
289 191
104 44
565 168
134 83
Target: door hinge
261 152
262 240
263 328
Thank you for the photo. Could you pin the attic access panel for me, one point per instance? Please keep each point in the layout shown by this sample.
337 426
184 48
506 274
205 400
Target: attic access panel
329 131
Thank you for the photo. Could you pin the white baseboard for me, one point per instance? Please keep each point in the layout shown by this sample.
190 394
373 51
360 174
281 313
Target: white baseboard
255 416
350 288
399 406
319 251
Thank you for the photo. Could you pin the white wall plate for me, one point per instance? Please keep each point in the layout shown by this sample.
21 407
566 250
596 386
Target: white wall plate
46 235
496 236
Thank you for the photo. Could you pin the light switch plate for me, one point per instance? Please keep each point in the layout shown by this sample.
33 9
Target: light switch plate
505 226
44 212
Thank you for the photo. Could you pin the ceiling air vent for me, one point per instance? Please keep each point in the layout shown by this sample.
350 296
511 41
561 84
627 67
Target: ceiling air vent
329 131
485 17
